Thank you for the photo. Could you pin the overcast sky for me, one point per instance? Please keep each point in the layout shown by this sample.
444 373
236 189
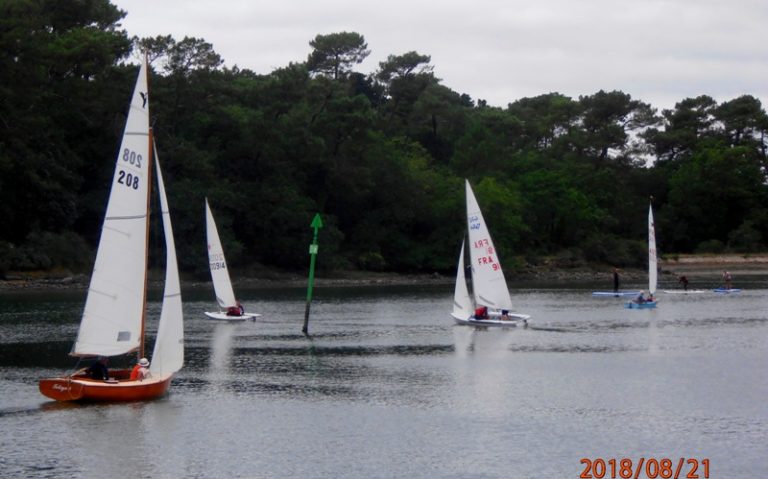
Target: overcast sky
657 51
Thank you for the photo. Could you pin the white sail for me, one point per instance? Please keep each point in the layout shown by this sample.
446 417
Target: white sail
488 283
652 268
111 322
222 285
168 355
462 304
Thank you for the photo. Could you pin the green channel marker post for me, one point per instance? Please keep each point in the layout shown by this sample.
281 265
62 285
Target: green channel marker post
317 223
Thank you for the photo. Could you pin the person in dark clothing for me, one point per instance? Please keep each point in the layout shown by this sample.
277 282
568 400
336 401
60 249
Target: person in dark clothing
684 281
98 370
615 280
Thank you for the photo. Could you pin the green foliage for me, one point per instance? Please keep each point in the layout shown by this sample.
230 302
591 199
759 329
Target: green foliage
382 157
45 251
746 239
615 251
502 209
334 54
713 246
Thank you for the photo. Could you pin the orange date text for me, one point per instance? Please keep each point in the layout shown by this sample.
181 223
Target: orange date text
645 468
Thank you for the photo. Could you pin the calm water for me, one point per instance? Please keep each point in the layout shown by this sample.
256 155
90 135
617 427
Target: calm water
388 387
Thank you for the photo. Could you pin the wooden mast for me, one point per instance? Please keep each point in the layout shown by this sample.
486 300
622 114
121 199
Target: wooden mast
150 141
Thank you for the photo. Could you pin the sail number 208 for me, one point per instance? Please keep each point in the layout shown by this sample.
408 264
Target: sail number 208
128 179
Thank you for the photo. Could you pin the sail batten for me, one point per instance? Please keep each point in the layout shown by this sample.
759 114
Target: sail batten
118 218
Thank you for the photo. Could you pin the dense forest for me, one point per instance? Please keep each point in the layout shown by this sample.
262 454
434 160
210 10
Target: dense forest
381 156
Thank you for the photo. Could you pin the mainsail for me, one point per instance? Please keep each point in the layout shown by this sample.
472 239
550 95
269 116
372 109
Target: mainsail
652 260
111 322
488 283
222 284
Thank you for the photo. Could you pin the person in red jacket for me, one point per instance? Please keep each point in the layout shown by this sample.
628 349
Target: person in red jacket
140 371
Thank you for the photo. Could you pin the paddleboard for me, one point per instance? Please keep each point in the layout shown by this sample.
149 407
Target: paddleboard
726 291
615 294
682 291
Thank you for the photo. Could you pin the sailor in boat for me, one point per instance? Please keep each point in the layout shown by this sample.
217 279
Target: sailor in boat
505 315
237 310
481 312
140 371
98 370
640 299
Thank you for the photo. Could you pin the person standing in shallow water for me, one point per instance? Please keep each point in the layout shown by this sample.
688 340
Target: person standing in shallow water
615 280
727 279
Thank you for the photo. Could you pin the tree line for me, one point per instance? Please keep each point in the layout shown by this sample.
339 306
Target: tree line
381 156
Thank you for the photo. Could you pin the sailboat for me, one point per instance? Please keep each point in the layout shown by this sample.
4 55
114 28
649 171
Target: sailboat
113 321
230 308
652 268
490 303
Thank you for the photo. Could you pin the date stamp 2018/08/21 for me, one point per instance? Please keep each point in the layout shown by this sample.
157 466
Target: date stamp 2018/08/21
645 468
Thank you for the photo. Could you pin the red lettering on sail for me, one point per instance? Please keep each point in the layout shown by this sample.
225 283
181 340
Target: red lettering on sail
487 260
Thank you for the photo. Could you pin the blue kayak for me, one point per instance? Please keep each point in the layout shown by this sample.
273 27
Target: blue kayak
645 305
727 290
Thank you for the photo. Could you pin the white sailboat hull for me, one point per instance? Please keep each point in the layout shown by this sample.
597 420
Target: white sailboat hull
223 316
494 321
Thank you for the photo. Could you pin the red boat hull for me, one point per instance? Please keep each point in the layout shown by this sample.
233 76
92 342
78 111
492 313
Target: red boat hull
81 388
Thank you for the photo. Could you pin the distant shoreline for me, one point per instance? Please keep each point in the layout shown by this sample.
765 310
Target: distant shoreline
693 266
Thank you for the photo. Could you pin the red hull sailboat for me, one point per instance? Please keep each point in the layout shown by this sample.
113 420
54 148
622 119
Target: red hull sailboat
113 319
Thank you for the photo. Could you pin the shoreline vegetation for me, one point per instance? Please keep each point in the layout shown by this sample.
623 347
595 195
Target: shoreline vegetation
382 155
709 267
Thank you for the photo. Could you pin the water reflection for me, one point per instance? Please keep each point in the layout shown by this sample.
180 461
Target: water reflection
221 350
